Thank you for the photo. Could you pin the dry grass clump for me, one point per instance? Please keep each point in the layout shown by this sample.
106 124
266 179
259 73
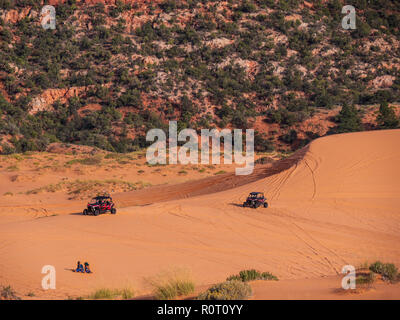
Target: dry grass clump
110 294
228 290
171 284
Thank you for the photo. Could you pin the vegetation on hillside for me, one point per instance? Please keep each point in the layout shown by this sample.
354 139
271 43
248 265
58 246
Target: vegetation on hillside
205 63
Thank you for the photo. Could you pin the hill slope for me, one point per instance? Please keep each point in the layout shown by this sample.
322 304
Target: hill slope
114 69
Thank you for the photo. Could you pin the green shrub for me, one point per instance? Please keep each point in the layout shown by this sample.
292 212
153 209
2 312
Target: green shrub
229 290
348 119
248 275
387 270
252 274
376 267
365 279
220 172
8 293
268 276
386 118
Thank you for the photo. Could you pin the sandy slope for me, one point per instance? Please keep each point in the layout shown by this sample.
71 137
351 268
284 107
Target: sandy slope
338 203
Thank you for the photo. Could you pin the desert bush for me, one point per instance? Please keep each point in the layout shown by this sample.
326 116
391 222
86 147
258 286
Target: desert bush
109 294
376 267
387 270
220 172
8 293
268 276
289 137
365 279
252 274
229 290
264 160
171 284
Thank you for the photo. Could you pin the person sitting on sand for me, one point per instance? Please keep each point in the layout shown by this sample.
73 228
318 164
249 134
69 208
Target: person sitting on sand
87 269
79 267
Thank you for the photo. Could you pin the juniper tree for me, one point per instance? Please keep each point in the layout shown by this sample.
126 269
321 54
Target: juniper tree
348 119
386 118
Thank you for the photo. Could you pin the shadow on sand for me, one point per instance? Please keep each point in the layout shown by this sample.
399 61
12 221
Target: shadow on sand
236 205
76 214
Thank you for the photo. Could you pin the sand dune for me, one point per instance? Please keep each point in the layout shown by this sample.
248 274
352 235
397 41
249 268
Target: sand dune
335 202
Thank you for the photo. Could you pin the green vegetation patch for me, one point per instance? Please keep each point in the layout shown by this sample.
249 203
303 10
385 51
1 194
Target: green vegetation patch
252 274
229 290
8 293
387 270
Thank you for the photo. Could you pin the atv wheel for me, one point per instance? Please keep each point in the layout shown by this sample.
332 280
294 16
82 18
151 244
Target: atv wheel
265 204
244 204
96 212
84 212
113 211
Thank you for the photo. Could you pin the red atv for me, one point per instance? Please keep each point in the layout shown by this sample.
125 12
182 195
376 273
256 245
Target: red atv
100 204
255 200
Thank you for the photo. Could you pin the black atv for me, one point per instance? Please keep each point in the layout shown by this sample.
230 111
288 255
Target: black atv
255 200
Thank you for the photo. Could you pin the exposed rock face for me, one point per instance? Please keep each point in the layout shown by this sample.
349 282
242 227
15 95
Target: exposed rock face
219 42
106 2
49 96
385 81
13 16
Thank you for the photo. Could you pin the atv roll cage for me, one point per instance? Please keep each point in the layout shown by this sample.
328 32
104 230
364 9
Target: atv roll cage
101 199
100 204
256 195
255 200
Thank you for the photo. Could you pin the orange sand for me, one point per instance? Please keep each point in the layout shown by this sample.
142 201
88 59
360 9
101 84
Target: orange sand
333 203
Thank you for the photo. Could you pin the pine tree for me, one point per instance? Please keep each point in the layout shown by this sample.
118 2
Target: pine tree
348 119
386 118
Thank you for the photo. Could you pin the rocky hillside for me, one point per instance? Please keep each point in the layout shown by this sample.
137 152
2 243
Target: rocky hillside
111 70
